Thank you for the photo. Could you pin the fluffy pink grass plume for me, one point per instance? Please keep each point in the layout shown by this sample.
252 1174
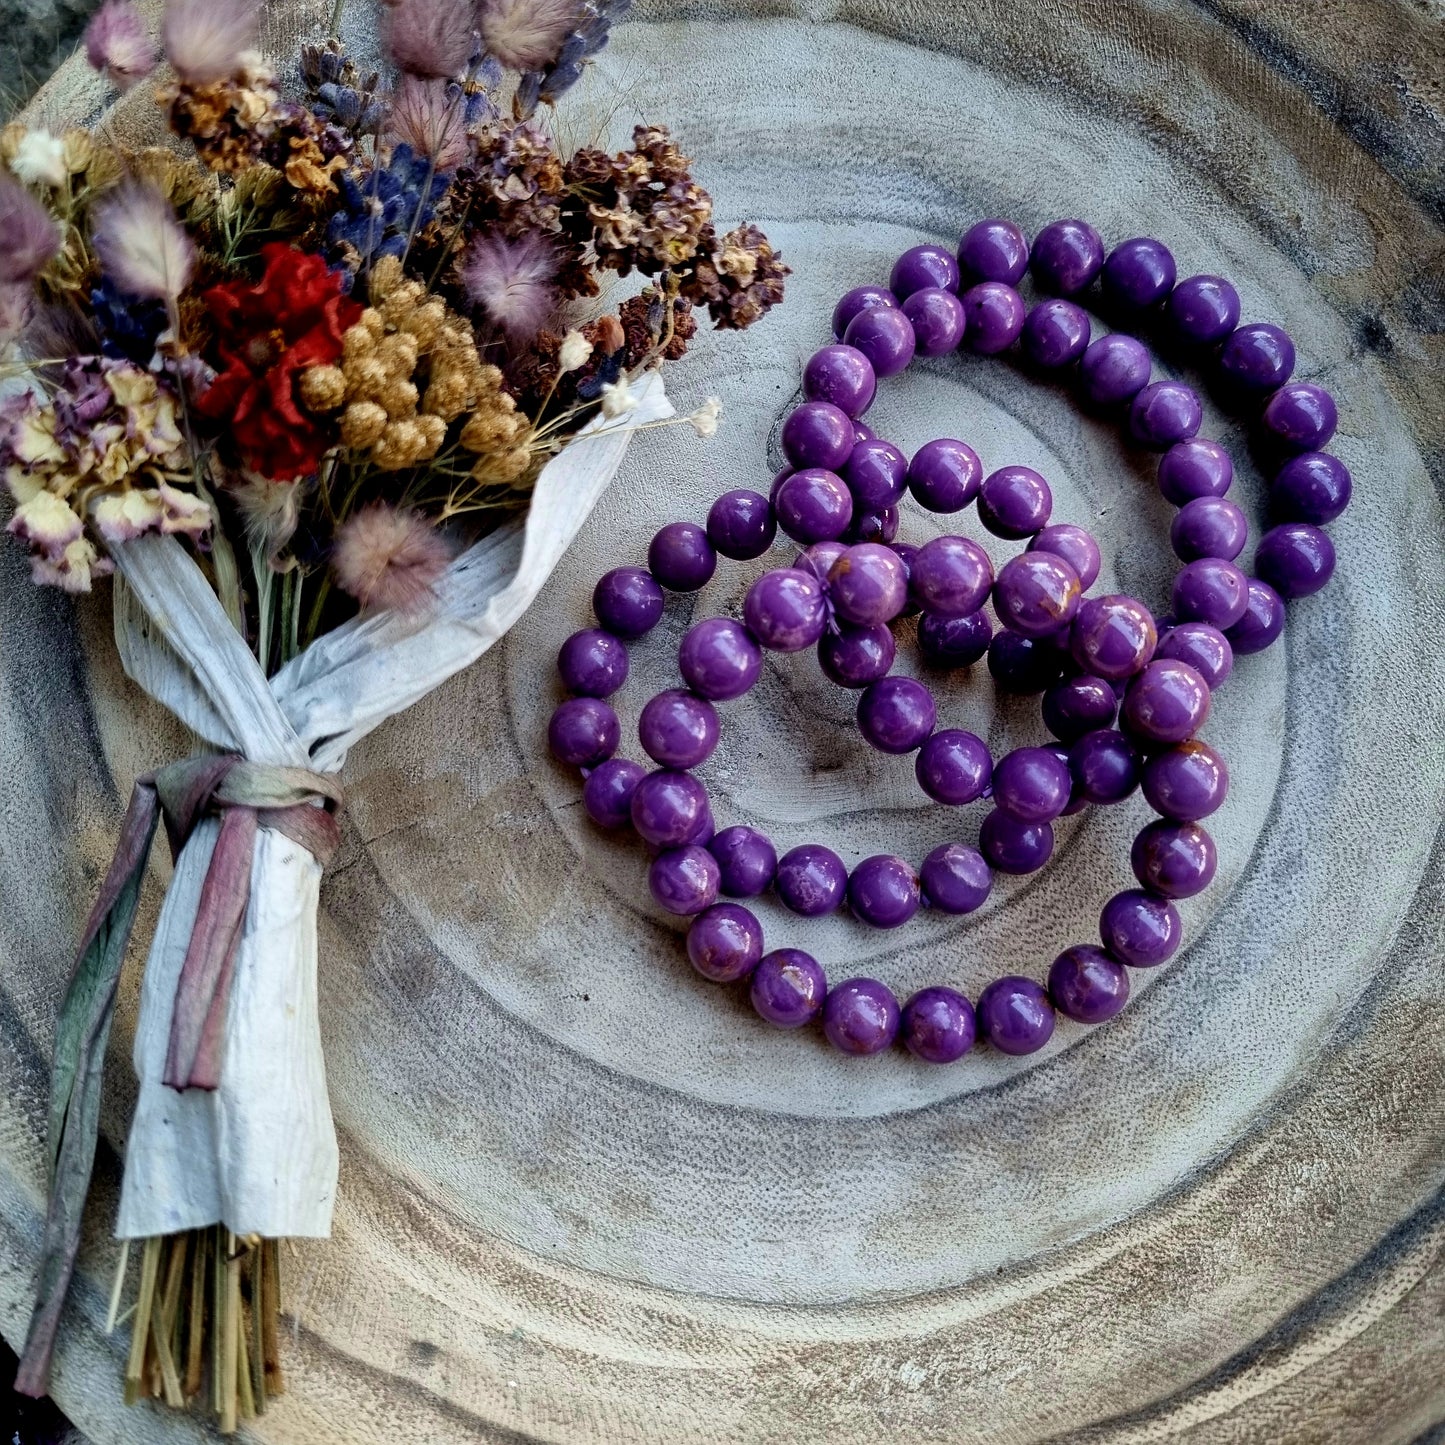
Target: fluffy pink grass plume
141 245
430 37
512 281
390 558
526 34
118 45
430 120
29 238
206 40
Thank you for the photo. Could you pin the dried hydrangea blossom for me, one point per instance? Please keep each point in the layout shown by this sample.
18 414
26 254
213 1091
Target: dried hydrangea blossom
737 278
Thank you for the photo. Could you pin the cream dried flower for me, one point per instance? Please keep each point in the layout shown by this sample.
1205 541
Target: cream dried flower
573 352
704 420
39 159
617 399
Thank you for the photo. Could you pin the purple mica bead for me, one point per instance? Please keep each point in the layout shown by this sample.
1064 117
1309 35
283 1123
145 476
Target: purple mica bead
819 558
818 434
1194 468
993 250
1015 1016
1174 860
885 336
628 602
1105 767
1021 664
778 481
1257 357
876 473
725 943
788 988
1014 502
786 610
1037 593
951 576
1206 649
954 767
1166 703
862 432
954 641
1086 985
1114 369
1208 527
856 656
879 527
1113 637
1302 415
868 584
681 558
860 1016
920 267
583 732
906 553
883 891
841 376
938 318
1203 310
684 880
1066 257
746 861
993 316
740 524
1263 620
1014 847
1055 333
814 505
1140 929
1164 413
669 808
944 475
592 663
1079 705
896 714
678 730
811 880
1312 487
719 659
1031 785
955 878
1138 273
860 298
1295 558
1075 545
1211 590
607 793
937 1025
1186 782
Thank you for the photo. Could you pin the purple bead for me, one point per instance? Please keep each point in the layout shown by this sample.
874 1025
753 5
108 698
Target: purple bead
788 988
1114 369
725 943
1138 273
954 641
1021 664
778 481
1186 782
944 475
955 878
740 524
678 730
1075 545
628 602
953 767
814 505
607 793
1257 357
857 656
1037 593
885 336
1014 847
860 298
592 663
1164 413
1208 527
819 558
868 584
860 1016
881 527
1031 785
993 316
896 714
876 473
1066 257
1203 310
938 319
1113 637
786 610
1055 333
1140 929
937 1025
684 880
1295 558
906 553
669 808
1313 487
1206 649
920 267
1015 1016
841 376
1302 415
993 250
862 432
818 434
583 732
702 835
1105 767
811 880
719 660
1211 590
1086 985
1175 860
1263 620
1079 705
1194 468
951 576
883 891
746 861
1014 502
1166 703
681 558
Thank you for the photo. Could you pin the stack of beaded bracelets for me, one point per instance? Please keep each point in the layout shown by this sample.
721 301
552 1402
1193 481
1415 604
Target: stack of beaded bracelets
847 483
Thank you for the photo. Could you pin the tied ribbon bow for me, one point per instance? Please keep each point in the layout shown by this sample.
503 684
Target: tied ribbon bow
247 796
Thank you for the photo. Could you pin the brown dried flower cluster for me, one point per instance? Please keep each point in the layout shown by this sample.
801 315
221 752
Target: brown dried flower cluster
737 278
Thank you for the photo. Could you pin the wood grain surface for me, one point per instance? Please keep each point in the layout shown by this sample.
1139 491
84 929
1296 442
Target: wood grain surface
586 1197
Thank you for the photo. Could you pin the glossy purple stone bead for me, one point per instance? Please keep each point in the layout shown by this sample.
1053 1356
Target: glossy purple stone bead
814 505
944 475
939 321
1203 310
746 861
740 524
684 880
725 943
1205 648
1166 703
862 432
1257 357
937 1025
1174 860
868 584
1208 527
876 473
841 376
860 298
818 434
681 558
719 659
856 656
951 576
1031 785
1295 558
1186 782
1114 369
811 880
1014 847
607 793
954 767
1055 333
1105 766
1263 620
1079 705
906 553
993 250
1066 256
860 1016
788 988
786 610
1312 487
883 891
1086 985
1015 1016
993 315
896 714
678 730
668 808
1075 545
1036 594
819 558
1113 636
592 663
1211 590
954 641
879 527
1164 413
885 336
920 267
1021 664
1014 502
1302 415
583 732
1140 929
1194 468
1138 273
955 878
628 602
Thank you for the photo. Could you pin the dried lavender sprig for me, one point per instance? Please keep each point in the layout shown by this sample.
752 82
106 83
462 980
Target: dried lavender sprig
580 46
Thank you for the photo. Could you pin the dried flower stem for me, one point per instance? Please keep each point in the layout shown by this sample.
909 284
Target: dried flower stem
334 29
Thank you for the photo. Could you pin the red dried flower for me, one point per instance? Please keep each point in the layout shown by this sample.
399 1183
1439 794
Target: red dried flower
266 336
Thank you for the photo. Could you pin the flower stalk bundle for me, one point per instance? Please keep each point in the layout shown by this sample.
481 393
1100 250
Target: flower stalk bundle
328 399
